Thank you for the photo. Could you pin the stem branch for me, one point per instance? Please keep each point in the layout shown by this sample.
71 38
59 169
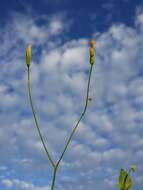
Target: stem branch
36 121
80 118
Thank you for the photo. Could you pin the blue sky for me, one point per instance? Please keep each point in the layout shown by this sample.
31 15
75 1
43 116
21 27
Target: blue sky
110 136
87 16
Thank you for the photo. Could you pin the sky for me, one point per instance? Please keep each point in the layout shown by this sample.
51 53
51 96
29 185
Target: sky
110 136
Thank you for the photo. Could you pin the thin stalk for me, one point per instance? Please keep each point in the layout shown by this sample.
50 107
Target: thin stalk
73 131
80 118
54 178
36 121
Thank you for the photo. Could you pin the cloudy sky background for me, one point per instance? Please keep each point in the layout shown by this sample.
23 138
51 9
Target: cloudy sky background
111 135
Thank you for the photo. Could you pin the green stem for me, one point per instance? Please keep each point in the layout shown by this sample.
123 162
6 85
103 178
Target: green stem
54 178
80 118
36 121
55 166
73 131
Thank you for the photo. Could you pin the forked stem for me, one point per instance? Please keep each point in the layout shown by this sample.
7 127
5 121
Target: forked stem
55 166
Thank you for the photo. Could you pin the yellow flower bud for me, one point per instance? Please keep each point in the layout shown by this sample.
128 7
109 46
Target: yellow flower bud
28 54
92 52
92 43
92 60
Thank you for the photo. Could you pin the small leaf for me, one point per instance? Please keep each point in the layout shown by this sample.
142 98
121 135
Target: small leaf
128 183
125 182
133 168
122 176
118 185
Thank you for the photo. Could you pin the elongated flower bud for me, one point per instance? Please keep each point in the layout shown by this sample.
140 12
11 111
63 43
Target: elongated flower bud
92 52
92 43
28 54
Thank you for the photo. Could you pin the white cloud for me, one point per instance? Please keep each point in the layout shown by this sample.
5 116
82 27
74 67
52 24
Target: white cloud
7 183
3 88
56 26
22 185
139 17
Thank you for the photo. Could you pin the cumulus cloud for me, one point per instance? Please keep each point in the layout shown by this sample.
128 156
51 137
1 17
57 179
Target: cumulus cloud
7 183
20 184
111 132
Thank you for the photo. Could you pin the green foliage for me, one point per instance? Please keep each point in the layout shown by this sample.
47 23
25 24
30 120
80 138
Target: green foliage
125 182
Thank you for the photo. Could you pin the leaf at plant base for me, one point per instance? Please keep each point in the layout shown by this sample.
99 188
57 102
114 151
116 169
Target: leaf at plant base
119 186
122 176
133 168
128 183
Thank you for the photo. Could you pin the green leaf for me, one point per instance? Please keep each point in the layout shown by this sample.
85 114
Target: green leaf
125 182
122 176
118 185
128 183
133 168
